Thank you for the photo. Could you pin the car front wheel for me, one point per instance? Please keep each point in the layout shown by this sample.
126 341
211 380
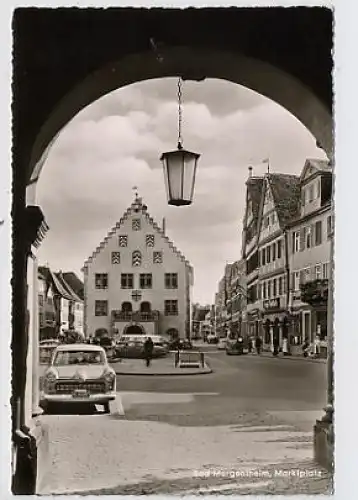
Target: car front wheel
106 407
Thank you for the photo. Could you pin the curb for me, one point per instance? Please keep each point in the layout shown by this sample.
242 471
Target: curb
295 358
171 374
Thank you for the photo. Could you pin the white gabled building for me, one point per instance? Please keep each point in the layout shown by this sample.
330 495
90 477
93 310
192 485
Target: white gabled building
137 281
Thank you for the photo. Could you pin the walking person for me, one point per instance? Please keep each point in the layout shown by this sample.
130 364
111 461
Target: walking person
258 344
276 346
148 350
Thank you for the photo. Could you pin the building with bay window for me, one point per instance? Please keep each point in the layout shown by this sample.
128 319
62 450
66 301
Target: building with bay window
309 252
137 281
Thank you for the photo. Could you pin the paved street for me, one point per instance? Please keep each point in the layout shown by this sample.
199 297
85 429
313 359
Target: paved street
245 428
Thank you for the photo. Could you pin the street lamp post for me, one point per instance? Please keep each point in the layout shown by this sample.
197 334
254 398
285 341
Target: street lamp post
179 167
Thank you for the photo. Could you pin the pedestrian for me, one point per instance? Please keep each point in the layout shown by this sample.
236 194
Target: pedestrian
276 346
305 347
258 344
249 345
148 350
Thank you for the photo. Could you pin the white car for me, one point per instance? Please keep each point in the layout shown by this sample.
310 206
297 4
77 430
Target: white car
78 373
222 344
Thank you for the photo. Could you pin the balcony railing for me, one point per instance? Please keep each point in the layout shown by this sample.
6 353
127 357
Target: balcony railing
135 316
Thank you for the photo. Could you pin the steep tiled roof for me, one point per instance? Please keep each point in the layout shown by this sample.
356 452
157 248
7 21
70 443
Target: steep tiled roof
75 283
286 194
254 190
136 206
67 287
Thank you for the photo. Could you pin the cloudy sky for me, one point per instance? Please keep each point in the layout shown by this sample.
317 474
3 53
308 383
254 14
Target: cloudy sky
115 144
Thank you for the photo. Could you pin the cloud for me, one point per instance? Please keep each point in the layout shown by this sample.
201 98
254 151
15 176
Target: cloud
115 144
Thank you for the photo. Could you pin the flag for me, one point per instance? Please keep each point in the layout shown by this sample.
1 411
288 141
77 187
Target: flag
266 160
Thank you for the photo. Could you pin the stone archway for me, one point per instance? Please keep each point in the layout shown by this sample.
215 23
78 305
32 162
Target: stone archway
260 76
134 330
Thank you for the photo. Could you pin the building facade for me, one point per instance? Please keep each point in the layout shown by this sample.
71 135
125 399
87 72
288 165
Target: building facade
251 316
137 281
280 203
309 253
286 248
236 298
61 309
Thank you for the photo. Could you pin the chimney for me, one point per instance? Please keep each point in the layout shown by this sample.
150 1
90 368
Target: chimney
163 225
250 171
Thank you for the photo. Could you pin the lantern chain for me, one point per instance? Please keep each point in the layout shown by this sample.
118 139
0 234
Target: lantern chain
180 114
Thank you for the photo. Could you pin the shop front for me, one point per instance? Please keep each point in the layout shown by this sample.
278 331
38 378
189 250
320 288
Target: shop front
276 325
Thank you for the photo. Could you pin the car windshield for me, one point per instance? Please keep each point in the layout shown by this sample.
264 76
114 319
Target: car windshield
65 358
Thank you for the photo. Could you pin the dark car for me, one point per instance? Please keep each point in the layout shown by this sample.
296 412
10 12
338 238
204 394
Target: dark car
235 347
182 345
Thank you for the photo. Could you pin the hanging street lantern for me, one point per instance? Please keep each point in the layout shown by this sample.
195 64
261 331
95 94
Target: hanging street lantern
179 168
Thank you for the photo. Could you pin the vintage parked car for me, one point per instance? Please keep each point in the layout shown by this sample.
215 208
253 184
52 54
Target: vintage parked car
132 346
212 339
235 347
181 344
222 344
46 348
78 373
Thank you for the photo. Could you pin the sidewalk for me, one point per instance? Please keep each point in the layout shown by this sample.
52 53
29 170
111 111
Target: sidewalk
158 367
296 357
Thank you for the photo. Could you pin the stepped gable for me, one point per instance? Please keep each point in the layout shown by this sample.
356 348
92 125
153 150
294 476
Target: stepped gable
286 193
136 206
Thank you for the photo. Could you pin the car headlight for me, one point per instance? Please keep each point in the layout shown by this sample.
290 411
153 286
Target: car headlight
51 376
110 378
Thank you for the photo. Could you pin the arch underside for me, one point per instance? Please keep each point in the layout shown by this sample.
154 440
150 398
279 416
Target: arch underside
192 64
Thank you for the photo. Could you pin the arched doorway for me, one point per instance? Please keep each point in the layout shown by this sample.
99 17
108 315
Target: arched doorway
134 330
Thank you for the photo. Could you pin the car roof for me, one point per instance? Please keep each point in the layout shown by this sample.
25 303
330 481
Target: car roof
79 347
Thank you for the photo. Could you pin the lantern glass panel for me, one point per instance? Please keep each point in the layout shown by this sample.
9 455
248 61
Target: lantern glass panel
175 167
189 170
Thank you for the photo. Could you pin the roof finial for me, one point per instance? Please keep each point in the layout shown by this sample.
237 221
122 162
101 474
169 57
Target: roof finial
250 171
135 189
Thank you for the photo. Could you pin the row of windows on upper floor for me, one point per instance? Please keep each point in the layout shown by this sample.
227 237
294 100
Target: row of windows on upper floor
137 258
170 308
149 238
303 239
145 280
317 272
311 235
276 287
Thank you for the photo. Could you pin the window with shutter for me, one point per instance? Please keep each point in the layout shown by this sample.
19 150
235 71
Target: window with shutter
279 249
302 277
302 239
268 254
318 233
293 281
274 252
